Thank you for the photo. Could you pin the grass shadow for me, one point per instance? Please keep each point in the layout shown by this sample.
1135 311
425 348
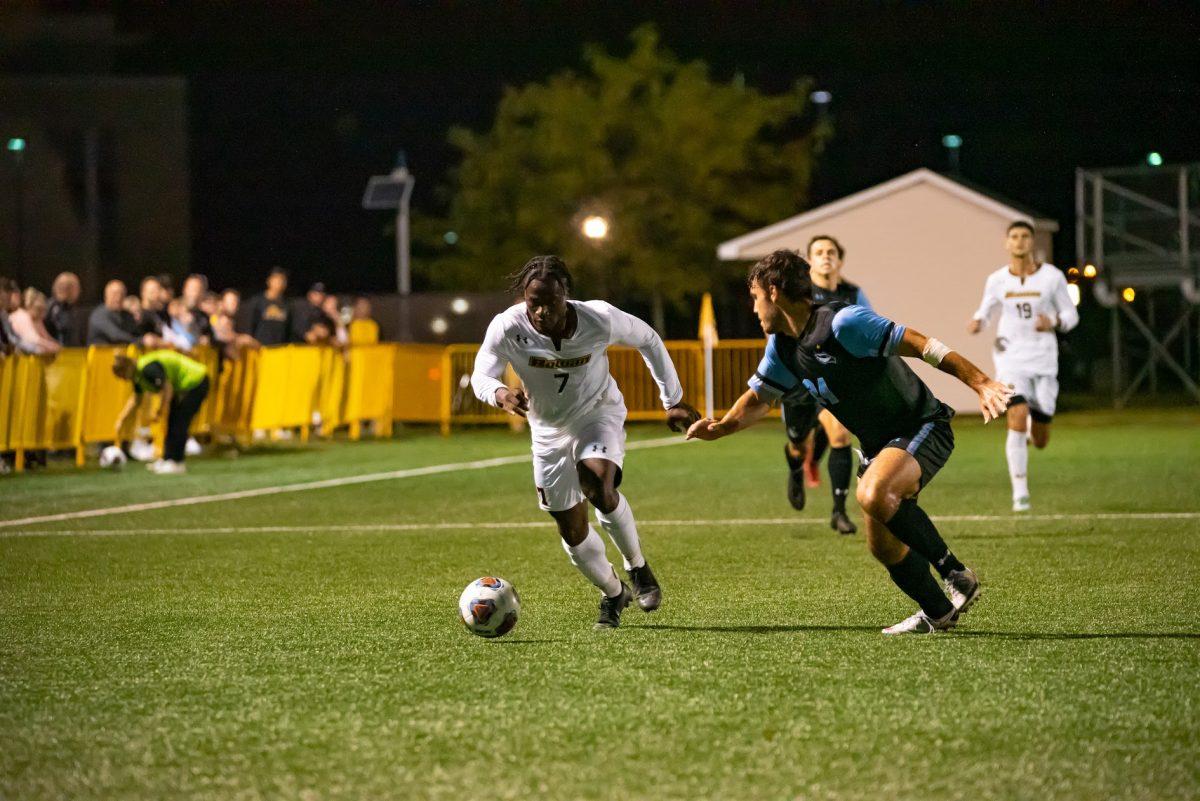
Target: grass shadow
799 628
502 641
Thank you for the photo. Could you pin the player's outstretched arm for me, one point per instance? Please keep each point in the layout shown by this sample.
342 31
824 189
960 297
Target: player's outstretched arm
993 396
747 411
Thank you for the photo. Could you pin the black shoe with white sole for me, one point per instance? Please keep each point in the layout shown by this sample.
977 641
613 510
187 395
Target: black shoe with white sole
645 587
611 608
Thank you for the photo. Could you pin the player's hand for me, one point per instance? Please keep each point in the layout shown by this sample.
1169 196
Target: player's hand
993 398
515 402
974 326
1044 323
681 416
706 428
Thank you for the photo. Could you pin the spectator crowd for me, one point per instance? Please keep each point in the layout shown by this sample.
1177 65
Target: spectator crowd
157 317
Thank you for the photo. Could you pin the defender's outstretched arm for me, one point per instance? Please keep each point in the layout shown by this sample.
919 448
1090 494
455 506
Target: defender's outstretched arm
993 396
747 411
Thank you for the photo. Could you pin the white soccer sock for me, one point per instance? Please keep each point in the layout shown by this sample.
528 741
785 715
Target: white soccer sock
622 530
590 559
1018 463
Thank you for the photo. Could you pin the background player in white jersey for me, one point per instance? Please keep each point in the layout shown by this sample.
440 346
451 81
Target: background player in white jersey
1031 299
558 348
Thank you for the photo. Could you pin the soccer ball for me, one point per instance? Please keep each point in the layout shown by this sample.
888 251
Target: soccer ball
113 457
489 607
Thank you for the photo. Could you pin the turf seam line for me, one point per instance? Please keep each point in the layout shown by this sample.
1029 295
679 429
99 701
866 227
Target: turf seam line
365 478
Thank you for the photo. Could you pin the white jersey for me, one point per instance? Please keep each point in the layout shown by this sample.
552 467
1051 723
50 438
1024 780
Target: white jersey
1020 347
569 383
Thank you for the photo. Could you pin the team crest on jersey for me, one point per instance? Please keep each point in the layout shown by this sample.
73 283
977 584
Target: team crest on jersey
559 364
825 358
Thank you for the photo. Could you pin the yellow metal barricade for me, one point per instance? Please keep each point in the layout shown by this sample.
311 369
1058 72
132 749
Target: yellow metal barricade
458 402
417 393
104 395
371 388
234 401
331 401
734 361
8 384
286 388
641 393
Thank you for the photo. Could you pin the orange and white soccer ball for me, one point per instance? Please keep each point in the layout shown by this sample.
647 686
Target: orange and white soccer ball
489 607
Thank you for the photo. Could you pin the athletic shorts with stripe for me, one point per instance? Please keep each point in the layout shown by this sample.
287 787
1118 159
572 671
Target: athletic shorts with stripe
931 445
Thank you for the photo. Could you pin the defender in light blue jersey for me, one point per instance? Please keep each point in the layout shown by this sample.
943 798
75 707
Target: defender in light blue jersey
849 359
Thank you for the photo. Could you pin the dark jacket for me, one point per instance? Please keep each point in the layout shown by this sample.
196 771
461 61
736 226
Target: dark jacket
108 327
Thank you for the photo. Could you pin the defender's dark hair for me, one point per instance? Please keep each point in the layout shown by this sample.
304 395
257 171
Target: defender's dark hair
540 268
841 250
1019 224
787 271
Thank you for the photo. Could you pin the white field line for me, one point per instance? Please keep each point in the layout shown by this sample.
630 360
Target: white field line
527 524
366 478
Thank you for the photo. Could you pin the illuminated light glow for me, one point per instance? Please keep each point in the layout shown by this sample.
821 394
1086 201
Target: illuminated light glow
1127 294
439 326
16 144
952 141
595 227
460 306
820 97
1073 291
1089 271
450 237
1074 271
1154 158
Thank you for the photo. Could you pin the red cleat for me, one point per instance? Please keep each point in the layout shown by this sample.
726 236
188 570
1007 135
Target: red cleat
812 471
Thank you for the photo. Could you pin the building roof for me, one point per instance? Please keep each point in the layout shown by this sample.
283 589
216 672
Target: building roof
733 248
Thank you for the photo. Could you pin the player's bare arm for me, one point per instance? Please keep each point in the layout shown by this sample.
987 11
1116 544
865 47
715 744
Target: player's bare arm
747 411
993 396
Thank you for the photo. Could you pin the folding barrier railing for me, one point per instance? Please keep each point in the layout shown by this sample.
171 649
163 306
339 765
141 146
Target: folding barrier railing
71 402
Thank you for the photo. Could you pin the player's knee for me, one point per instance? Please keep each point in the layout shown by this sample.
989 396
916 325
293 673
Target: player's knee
884 546
599 492
877 500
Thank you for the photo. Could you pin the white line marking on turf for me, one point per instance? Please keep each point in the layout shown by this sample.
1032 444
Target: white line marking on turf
365 478
526 524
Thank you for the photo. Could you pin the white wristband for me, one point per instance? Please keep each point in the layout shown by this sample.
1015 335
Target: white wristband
934 351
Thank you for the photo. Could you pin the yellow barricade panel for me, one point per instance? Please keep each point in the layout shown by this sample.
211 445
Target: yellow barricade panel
29 404
416 397
271 388
372 383
64 379
332 401
8 388
104 395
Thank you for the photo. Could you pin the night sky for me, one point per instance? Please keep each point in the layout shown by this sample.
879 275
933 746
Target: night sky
292 106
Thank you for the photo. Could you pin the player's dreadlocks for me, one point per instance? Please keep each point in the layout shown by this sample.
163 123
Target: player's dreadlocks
787 271
540 268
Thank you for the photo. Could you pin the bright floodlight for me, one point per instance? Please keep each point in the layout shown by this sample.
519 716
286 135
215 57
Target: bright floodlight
439 326
1128 294
595 227
1073 291
952 141
16 144
1154 159
460 306
820 97
1089 271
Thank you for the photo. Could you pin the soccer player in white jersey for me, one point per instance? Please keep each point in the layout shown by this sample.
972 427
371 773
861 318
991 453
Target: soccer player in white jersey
1031 300
558 348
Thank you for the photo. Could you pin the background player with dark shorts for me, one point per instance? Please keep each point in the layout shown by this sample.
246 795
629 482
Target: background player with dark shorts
183 383
807 440
849 359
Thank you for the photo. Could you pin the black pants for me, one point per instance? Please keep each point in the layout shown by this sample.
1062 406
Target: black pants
179 419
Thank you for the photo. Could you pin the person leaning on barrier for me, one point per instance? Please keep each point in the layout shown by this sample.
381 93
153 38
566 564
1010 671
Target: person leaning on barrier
61 315
109 323
29 324
183 383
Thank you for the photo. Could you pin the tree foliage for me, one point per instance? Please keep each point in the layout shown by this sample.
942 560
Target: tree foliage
674 160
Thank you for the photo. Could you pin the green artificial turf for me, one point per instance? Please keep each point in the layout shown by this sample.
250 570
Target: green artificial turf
324 659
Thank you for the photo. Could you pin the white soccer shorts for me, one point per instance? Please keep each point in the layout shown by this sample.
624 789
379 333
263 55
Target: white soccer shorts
1039 391
556 451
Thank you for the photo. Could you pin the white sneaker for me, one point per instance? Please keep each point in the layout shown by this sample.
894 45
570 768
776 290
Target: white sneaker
963 588
192 447
153 466
921 623
170 468
1021 504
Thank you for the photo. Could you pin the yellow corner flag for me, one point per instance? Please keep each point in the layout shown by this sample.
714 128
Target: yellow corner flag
708 320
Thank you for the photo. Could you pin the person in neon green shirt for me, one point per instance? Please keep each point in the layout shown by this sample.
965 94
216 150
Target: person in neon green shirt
183 383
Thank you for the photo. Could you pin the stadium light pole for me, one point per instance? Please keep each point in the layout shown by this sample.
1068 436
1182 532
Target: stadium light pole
953 144
393 192
16 151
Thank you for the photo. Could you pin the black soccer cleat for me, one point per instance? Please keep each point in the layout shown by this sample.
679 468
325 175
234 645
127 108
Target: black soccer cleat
795 489
645 587
611 608
841 523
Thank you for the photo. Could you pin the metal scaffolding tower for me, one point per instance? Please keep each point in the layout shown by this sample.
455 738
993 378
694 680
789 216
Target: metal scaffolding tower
1140 227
